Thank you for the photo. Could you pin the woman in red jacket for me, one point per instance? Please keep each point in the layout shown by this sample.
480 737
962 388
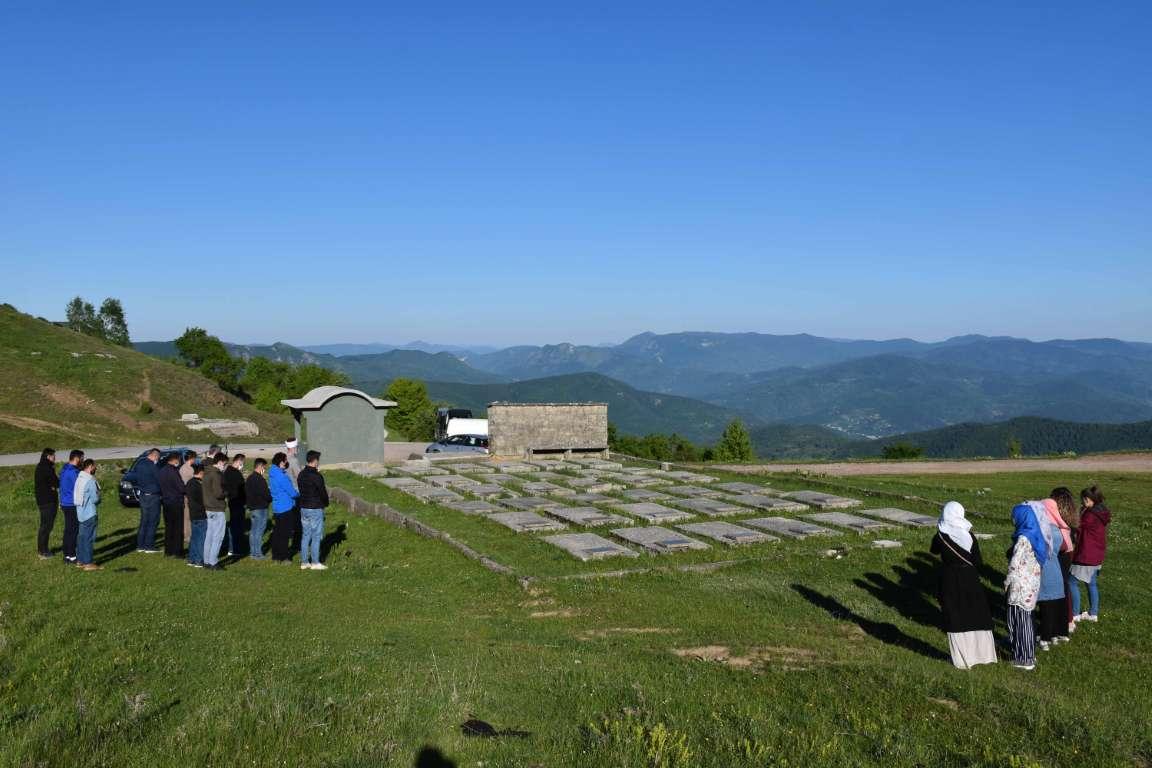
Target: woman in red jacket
1091 546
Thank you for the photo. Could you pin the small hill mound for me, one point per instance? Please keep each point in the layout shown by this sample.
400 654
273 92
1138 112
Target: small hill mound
62 388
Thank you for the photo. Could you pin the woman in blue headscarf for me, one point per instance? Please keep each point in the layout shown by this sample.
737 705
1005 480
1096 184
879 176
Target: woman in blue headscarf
1022 585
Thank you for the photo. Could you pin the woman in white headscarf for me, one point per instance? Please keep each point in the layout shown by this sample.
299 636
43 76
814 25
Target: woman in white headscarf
967 619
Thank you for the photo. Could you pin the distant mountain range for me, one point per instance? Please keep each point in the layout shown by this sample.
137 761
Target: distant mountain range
832 388
340 350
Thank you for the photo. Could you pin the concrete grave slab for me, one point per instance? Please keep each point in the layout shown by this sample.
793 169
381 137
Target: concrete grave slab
551 477
473 507
711 507
499 477
588 546
487 490
886 544
741 488
516 468
822 500
469 468
601 464
844 520
893 515
785 526
551 489
690 477
547 463
766 503
659 540
452 481
727 533
588 516
690 490
645 481
530 503
526 522
590 484
654 513
642 494
589 498
431 493
400 482
423 471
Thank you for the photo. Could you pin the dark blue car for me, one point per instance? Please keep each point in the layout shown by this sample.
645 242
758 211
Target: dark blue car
129 496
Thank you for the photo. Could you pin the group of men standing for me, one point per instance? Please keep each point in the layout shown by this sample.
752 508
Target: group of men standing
203 501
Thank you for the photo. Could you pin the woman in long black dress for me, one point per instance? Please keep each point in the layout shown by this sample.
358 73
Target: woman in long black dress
967 619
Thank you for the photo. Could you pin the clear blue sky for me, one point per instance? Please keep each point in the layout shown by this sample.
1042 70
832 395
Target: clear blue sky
539 172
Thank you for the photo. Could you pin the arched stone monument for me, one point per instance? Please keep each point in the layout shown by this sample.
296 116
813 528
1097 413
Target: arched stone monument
344 424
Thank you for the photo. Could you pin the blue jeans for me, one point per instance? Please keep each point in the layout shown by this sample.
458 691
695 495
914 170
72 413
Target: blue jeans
256 533
1093 594
149 519
196 542
86 540
312 520
214 536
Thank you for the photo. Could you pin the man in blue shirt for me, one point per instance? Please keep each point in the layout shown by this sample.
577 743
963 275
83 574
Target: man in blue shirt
68 477
148 486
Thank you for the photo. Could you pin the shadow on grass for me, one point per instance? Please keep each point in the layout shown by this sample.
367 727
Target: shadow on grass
430 757
114 548
889 634
337 536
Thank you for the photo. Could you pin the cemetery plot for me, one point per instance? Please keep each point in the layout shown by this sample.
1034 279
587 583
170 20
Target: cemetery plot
469 468
552 477
588 546
822 500
796 529
886 544
473 507
767 503
641 494
592 484
710 507
549 488
690 477
516 468
659 540
690 490
498 477
654 513
644 481
486 490
589 498
428 493
901 516
526 522
741 488
423 471
530 503
547 464
399 482
844 520
589 516
727 533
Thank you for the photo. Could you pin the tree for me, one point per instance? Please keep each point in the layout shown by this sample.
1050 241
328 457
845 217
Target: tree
414 415
207 354
112 322
81 317
267 382
902 451
1015 450
735 444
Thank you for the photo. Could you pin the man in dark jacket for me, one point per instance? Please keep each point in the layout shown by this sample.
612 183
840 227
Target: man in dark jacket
148 488
198 521
234 488
257 497
68 503
313 500
47 497
215 510
172 500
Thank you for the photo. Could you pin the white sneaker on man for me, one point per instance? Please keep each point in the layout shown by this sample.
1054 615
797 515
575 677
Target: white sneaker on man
319 567
1090 617
305 566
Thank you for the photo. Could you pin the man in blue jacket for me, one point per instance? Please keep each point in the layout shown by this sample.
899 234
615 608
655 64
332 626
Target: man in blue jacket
148 486
68 503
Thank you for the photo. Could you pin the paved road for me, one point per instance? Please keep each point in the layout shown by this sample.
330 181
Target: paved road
392 452
1125 462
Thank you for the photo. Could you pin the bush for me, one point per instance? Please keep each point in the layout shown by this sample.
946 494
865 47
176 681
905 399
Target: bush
902 451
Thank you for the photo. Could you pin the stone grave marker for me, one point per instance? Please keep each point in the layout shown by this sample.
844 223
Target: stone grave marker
526 522
690 477
551 477
469 468
549 488
659 540
473 507
400 482
886 544
591 484
822 500
643 494
530 503
654 513
741 488
727 533
786 526
588 546
644 481
547 463
589 498
711 507
516 468
767 503
486 490
452 481
690 490
901 516
431 493
844 520
499 477
601 464
423 471
589 516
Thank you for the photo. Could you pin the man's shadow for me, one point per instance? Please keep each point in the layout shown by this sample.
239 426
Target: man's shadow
337 536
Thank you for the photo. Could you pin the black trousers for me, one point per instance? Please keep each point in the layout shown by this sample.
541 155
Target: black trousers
281 535
237 517
47 520
174 528
1053 615
297 528
71 530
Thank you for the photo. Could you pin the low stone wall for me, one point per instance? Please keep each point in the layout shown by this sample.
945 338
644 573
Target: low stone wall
519 429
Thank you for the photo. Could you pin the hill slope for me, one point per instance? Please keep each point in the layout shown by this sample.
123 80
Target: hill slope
62 388
633 411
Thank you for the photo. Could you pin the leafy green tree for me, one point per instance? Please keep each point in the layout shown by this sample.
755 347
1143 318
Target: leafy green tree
81 317
735 444
414 415
207 354
267 382
304 378
1015 450
112 322
902 451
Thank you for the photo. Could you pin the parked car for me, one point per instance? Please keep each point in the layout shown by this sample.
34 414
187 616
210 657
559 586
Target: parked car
460 444
129 495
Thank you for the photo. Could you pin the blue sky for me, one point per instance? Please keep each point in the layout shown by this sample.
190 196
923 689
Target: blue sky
500 173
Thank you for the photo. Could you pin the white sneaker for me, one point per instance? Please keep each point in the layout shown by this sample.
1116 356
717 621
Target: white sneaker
1090 617
305 566
1026 667
319 567
1071 627
1082 616
1045 645
1061 639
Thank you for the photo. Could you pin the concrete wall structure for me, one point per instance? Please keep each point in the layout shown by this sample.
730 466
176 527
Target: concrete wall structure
345 425
521 429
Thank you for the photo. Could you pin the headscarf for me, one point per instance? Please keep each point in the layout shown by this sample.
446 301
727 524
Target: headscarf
1028 526
953 523
1052 509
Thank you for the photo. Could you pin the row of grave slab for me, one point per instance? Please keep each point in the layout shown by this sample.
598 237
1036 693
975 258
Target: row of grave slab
553 495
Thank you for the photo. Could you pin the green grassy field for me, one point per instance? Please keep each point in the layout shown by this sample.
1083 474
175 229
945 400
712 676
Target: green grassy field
828 662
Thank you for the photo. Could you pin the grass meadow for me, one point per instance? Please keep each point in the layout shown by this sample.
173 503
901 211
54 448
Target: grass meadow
786 658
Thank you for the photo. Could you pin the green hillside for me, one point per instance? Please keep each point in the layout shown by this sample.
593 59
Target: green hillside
63 388
634 412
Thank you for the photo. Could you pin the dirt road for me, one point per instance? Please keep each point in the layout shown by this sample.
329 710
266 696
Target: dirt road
1123 462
